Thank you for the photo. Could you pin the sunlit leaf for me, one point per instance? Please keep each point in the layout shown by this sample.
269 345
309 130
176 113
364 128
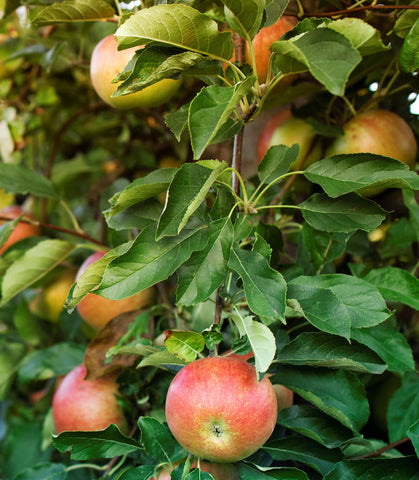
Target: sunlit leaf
74 10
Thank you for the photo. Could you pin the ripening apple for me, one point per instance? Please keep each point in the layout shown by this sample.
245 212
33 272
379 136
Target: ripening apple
22 229
263 40
97 311
49 303
107 62
87 405
377 131
283 128
217 410
220 471
284 396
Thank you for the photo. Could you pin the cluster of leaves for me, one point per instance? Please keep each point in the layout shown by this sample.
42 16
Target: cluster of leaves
240 263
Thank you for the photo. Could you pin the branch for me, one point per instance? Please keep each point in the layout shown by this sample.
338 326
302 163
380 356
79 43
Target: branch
381 450
356 9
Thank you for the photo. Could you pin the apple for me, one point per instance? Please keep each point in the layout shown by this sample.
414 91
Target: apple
49 303
97 311
377 131
220 471
107 62
84 405
261 43
22 229
217 410
284 396
285 129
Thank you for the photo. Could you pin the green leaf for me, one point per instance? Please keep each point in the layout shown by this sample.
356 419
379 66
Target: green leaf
409 53
152 64
187 191
203 273
253 472
11 354
364 37
19 179
7 228
141 189
396 285
51 362
313 423
106 443
186 345
413 207
366 469
33 265
389 344
73 11
274 10
244 16
413 434
341 174
178 121
324 350
44 471
91 277
337 393
261 339
362 302
162 358
344 214
265 288
157 440
303 450
326 54
145 472
170 25
403 408
277 162
148 261
211 109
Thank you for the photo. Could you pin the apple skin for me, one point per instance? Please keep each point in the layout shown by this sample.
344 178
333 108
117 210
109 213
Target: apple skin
216 409
285 129
22 229
284 396
97 311
49 303
220 471
261 43
107 61
82 405
377 131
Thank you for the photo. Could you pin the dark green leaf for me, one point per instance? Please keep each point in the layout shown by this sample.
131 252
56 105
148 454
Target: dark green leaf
106 443
203 273
403 407
148 262
44 471
145 472
324 350
187 191
251 472
409 53
244 16
303 450
265 288
277 162
345 214
342 174
313 423
389 344
157 439
337 393
186 345
19 179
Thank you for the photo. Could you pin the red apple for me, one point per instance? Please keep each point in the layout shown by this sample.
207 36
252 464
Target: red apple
107 62
218 411
377 131
284 396
82 405
220 471
22 229
97 311
285 129
263 40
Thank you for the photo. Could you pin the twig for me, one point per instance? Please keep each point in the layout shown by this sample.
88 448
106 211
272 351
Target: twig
381 450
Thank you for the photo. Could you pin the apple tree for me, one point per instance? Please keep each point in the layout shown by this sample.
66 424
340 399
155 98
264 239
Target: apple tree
308 269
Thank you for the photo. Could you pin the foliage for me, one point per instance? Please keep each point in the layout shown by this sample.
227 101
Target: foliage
319 282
